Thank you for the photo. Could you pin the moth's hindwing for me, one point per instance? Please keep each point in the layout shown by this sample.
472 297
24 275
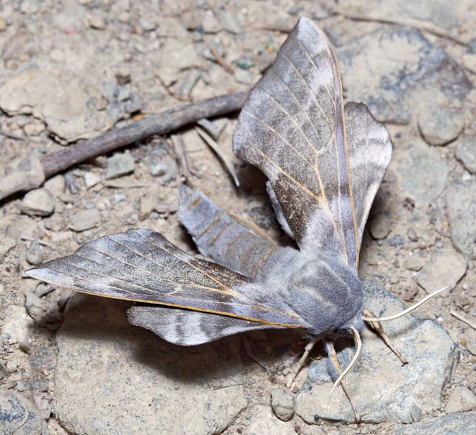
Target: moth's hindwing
323 172
189 328
218 236
141 265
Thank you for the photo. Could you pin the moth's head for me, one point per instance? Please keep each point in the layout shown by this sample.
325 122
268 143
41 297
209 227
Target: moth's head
357 322
328 295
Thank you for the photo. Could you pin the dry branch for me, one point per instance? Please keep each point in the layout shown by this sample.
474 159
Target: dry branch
34 172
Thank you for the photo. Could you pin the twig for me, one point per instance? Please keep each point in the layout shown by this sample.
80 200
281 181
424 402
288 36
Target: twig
214 146
463 319
163 123
228 68
417 24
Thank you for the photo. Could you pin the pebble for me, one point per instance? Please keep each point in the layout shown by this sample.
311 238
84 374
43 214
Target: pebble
440 125
85 220
421 172
97 22
414 263
445 268
147 206
17 415
210 23
229 22
55 185
18 326
119 164
380 226
282 404
246 77
11 366
383 389
147 25
22 226
91 179
461 399
263 422
461 208
38 202
163 166
460 423
34 127
466 153
166 389
34 253
3 24
55 222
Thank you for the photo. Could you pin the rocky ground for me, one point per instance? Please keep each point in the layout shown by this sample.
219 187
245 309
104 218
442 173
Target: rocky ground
73 69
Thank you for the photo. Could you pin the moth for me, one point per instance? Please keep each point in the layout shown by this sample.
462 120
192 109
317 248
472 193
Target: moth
324 162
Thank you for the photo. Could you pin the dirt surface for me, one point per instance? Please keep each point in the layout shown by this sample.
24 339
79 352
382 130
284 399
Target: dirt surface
73 69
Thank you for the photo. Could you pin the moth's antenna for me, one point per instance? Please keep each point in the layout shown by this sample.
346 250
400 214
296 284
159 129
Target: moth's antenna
404 312
358 345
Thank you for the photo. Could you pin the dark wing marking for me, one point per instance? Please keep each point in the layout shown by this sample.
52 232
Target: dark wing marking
292 127
141 265
189 328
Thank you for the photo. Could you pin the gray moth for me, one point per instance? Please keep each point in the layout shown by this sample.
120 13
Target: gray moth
324 162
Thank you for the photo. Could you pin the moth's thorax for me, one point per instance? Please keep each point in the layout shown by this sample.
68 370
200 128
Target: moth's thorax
325 293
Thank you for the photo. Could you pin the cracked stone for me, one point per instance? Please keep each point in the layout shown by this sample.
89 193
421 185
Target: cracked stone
163 387
461 423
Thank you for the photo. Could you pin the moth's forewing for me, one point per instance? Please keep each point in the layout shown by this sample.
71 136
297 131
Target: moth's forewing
141 265
292 127
189 328
218 236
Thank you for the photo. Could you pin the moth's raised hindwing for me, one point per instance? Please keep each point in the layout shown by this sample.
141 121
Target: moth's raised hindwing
141 265
293 128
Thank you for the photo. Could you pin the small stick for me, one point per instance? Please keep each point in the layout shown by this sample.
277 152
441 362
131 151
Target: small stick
214 146
463 319
416 24
162 123
228 68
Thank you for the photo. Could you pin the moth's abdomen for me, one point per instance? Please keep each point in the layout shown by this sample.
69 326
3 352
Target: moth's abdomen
325 293
218 236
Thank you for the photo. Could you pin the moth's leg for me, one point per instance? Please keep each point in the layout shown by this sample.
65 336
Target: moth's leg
249 352
307 351
377 327
331 352
218 236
